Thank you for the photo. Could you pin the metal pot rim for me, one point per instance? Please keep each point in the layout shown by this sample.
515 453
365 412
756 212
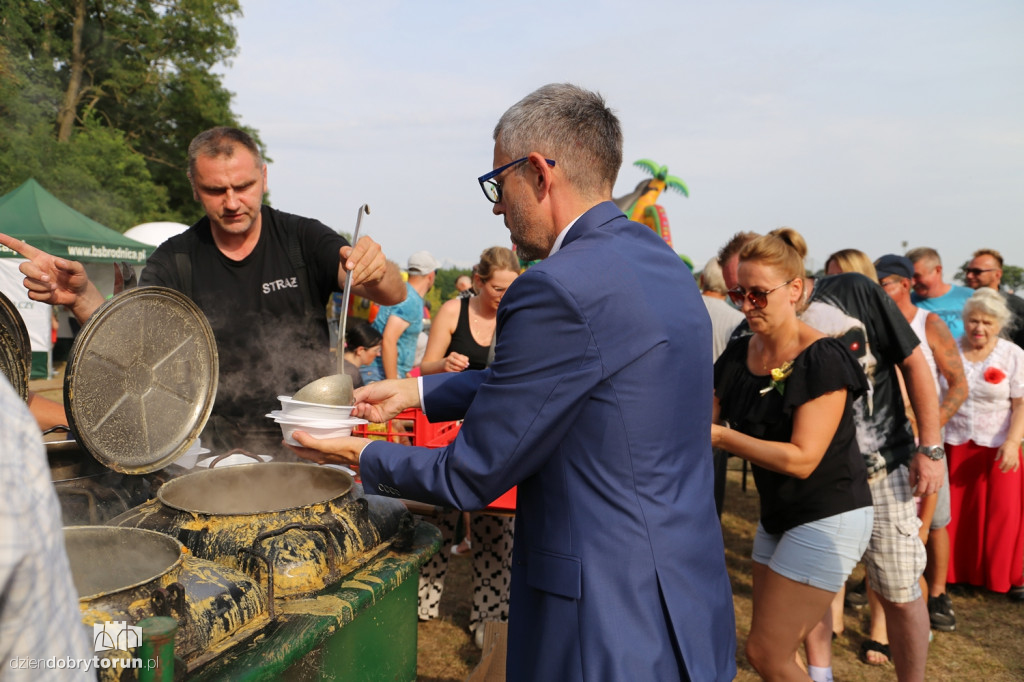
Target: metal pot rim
182 485
142 535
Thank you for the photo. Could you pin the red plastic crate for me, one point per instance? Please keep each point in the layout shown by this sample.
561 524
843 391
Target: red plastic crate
430 435
424 433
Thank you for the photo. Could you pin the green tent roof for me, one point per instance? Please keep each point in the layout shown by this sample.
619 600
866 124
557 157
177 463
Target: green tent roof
33 215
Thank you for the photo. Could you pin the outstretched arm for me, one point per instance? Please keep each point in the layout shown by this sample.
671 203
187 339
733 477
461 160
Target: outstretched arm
55 280
373 275
382 400
378 402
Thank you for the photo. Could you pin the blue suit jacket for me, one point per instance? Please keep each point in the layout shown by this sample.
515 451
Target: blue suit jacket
598 405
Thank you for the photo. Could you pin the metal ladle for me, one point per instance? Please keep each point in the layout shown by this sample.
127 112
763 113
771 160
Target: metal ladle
337 388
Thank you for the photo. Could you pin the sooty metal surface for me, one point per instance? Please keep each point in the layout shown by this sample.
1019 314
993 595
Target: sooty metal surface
15 348
141 379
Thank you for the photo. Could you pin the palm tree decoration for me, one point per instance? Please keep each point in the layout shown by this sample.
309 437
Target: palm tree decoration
640 205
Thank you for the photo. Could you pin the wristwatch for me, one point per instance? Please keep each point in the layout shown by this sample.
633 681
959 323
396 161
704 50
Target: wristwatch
935 452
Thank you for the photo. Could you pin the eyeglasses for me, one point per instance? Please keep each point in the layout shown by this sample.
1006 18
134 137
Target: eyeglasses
974 272
758 298
491 187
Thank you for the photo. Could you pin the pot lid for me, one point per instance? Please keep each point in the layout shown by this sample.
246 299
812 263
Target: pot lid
141 379
15 347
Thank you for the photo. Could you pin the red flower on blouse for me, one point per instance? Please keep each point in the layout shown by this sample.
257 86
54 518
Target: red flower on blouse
994 375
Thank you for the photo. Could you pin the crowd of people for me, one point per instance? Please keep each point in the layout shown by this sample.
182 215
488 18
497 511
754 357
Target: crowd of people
931 527
614 403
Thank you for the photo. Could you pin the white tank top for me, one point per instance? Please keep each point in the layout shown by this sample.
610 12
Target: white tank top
918 325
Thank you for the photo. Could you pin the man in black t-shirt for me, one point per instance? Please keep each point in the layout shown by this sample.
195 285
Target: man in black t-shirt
261 277
858 312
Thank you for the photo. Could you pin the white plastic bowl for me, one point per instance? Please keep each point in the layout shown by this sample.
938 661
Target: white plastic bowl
299 408
188 459
335 430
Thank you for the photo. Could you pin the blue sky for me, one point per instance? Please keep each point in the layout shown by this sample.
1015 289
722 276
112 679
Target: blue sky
862 125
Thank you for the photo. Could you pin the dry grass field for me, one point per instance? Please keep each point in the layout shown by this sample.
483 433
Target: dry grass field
986 646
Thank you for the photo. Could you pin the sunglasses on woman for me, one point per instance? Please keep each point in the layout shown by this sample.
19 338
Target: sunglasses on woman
758 298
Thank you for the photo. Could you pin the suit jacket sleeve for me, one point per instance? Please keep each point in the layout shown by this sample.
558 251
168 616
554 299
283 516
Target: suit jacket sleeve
546 364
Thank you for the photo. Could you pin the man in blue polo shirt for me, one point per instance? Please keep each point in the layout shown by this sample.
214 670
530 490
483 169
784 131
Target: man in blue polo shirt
933 294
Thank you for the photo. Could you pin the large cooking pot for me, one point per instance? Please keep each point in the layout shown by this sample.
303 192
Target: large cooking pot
89 493
124 575
255 489
302 525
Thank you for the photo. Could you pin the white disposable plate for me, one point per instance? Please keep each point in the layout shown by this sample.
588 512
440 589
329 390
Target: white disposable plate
341 467
313 409
284 418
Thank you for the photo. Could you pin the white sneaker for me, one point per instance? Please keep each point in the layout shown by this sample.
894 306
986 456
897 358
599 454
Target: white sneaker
463 547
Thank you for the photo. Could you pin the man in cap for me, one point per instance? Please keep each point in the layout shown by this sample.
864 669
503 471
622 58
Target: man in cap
400 325
986 270
895 274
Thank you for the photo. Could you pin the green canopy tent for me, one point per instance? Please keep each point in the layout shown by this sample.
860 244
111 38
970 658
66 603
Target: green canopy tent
35 216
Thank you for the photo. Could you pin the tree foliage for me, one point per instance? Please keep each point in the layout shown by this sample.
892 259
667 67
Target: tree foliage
99 99
444 287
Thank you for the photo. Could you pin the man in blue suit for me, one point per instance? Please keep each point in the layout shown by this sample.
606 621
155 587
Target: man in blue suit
597 405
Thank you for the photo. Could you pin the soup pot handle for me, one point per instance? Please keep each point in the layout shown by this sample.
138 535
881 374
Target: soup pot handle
256 553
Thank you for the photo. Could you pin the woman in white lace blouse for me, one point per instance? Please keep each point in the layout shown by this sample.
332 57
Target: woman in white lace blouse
983 446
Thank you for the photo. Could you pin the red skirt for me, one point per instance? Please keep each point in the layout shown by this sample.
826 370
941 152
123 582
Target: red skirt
986 532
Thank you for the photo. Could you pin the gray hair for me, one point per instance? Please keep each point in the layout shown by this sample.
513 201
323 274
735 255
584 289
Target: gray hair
988 302
924 253
571 126
220 141
711 278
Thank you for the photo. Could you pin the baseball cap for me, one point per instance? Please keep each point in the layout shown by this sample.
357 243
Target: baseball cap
422 263
892 264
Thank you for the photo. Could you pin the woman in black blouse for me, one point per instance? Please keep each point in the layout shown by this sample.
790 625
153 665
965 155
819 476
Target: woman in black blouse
461 333
786 393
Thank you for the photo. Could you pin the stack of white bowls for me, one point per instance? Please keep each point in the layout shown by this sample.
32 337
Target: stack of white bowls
316 419
188 459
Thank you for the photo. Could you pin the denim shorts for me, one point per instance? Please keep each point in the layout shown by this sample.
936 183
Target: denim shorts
821 553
